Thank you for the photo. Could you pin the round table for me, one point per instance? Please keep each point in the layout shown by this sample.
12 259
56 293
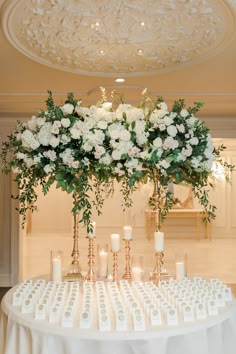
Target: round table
22 334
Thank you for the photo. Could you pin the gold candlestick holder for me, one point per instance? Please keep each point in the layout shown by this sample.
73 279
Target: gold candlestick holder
127 274
91 275
115 266
156 276
74 273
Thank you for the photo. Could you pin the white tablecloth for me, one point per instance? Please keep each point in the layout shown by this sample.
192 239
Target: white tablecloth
21 334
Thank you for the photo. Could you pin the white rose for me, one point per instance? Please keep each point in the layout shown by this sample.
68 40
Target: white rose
125 135
65 122
168 120
48 169
187 151
163 105
116 155
68 108
172 130
75 164
180 128
102 124
107 105
87 147
115 134
165 164
184 113
54 142
194 141
20 156
162 127
157 142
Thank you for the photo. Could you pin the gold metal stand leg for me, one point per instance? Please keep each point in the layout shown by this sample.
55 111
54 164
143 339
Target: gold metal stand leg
127 274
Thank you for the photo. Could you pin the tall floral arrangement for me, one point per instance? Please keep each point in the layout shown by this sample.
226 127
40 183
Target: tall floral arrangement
86 148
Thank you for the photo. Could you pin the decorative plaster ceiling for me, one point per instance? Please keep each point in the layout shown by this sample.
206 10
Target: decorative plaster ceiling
118 37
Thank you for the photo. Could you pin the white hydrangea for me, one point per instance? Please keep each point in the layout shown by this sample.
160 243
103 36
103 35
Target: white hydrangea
165 164
187 151
54 141
125 135
29 140
99 151
181 128
116 154
106 159
102 124
162 127
48 169
194 141
167 120
20 155
65 139
163 105
50 154
55 127
134 114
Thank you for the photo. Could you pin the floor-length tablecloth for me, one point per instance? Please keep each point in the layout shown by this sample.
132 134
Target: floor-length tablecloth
21 334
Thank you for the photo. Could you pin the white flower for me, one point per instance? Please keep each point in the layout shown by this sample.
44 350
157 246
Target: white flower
107 105
187 151
55 127
191 121
53 141
106 159
165 164
170 143
50 154
20 155
75 164
172 130
134 114
65 122
29 161
157 142
180 128
65 139
194 141
125 135
99 151
116 154
184 113
168 120
102 124
87 147
48 169
163 105
162 127
68 108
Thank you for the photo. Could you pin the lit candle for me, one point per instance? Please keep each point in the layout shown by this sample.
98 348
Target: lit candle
115 242
128 233
159 241
103 257
92 233
136 273
180 270
56 269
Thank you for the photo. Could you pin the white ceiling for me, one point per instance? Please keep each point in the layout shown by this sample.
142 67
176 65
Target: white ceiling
205 71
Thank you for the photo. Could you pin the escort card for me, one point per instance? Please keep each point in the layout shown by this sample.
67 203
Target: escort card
27 306
85 319
172 317
67 318
17 298
201 312
155 317
138 321
40 312
212 307
188 313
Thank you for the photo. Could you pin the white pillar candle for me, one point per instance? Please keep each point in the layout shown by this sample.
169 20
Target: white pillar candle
103 262
56 269
136 273
92 233
159 241
180 270
128 232
115 242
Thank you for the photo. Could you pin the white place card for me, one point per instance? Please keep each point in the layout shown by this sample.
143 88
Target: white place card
201 312
172 317
212 307
17 298
219 299
188 313
85 319
27 306
54 314
40 312
104 321
67 318
121 321
227 293
138 321
155 317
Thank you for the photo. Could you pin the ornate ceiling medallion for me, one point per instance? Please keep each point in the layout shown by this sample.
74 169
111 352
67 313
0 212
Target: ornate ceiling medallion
117 37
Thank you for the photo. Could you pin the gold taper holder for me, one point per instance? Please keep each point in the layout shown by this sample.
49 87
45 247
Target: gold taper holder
115 266
156 276
127 274
74 273
91 275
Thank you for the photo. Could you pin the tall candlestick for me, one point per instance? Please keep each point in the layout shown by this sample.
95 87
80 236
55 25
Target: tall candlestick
115 242
128 232
159 241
